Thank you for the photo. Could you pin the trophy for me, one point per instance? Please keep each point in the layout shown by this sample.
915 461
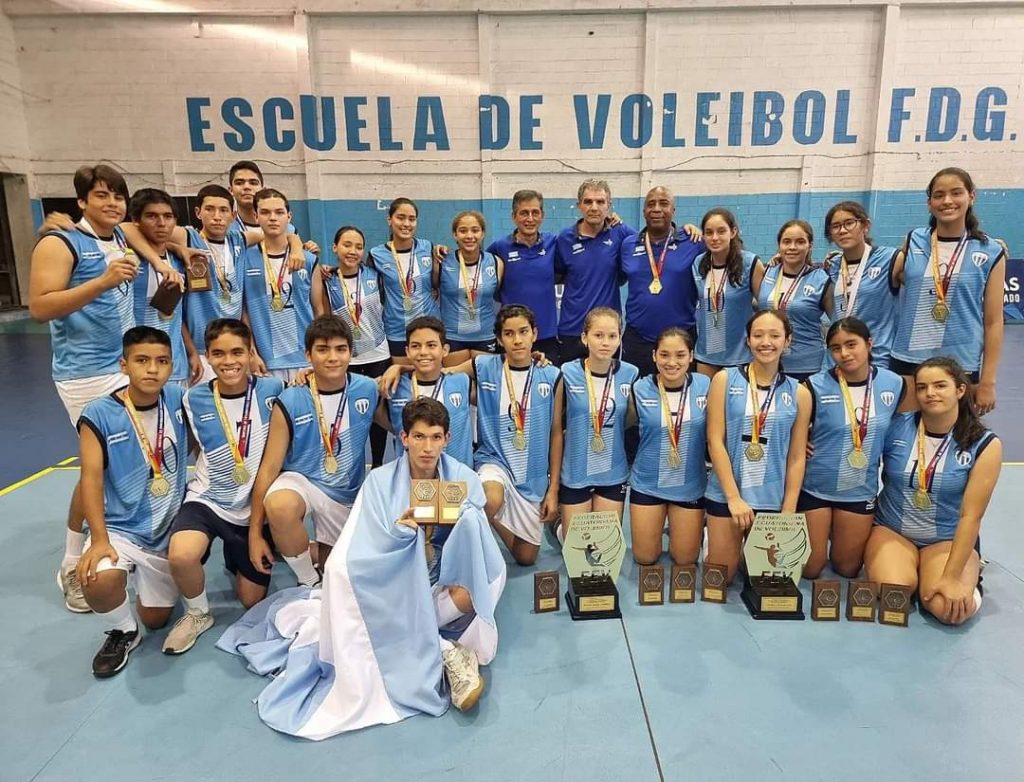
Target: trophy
860 601
165 300
545 591
198 273
894 605
652 585
681 587
776 550
825 597
423 499
452 494
714 583
593 551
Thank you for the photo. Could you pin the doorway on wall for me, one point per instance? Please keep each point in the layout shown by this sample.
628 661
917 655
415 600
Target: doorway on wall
10 297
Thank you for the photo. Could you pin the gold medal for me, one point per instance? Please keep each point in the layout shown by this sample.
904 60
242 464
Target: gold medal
858 459
597 444
519 441
674 459
655 287
330 464
357 332
921 500
159 487
940 312
407 303
240 475
755 452
277 304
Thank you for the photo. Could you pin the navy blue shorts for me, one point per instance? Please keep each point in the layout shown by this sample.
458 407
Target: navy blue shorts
721 509
397 348
484 345
907 369
196 516
639 498
570 496
808 502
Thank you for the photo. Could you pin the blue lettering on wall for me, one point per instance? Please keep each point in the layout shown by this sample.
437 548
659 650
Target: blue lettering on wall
354 123
636 121
668 122
841 132
430 125
197 124
989 124
735 119
943 114
494 128
591 132
809 117
897 113
528 122
321 136
232 112
275 110
385 130
701 136
766 120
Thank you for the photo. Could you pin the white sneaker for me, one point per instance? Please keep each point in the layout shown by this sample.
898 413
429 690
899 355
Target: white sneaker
185 632
464 678
68 583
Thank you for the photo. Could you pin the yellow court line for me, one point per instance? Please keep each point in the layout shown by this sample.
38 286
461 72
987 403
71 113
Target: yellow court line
67 461
25 481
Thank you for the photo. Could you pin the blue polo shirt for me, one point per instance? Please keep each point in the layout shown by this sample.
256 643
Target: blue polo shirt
591 269
650 314
529 278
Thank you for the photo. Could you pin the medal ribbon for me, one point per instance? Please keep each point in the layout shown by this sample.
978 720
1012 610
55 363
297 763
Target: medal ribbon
760 410
656 268
220 270
858 428
597 413
354 303
781 303
329 437
240 447
471 291
435 394
519 411
275 283
675 426
850 287
925 475
405 281
716 303
155 458
942 284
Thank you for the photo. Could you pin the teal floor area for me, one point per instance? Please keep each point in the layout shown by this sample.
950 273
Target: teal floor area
674 692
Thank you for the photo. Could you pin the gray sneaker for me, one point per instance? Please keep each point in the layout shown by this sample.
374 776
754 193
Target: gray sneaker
68 583
185 632
464 677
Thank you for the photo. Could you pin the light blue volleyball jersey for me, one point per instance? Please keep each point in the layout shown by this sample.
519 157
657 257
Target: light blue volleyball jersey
87 342
460 321
762 483
874 300
653 473
896 509
129 507
396 317
145 287
804 309
279 336
919 336
829 474
201 307
213 483
721 336
496 423
581 465
306 451
364 290
452 390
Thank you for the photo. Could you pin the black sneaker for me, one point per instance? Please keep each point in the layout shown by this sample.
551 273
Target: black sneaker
113 655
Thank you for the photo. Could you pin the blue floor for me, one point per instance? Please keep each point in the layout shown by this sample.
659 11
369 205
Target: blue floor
675 692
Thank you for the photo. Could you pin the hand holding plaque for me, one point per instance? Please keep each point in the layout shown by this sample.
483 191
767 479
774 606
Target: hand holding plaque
198 271
451 495
423 499
593 551
776 551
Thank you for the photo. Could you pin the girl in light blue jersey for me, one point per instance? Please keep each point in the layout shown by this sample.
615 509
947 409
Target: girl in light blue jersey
757 438
468 280
588 440
726 277
803 291
938 474
950 277
861 274
669 477
853 404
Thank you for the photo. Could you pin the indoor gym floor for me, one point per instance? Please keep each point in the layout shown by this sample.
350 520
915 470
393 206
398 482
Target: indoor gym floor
677 692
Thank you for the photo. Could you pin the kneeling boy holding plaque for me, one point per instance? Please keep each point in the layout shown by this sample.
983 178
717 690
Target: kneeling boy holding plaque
393 622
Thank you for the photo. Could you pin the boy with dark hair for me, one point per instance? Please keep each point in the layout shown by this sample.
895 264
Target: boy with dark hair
134 447
245 180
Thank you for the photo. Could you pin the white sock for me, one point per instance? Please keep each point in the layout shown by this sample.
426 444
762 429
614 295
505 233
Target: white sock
977 600
560 531
302 566
447 611
198 604
74 545
446 645
121 617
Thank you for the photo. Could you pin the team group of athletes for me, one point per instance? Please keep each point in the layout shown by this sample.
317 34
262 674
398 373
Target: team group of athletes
871 428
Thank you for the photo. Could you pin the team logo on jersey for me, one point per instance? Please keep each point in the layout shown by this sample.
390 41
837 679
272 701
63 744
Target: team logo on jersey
117 437
869 505
207 417
178 416
828 399
513 256
455 399
733 391
577 248
544 389
362 405
575 389
543 252
91 255
874 272
425 261
702 402
649 403
887 397
607 242
639 250
371 285
963 458
303 274
624 389
808 290
302 420
787 400
253 272
487 386
490 271
269 402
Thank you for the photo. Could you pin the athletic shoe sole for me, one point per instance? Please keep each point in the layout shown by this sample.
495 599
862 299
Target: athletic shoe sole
67 605
165 650
472 698
124 662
